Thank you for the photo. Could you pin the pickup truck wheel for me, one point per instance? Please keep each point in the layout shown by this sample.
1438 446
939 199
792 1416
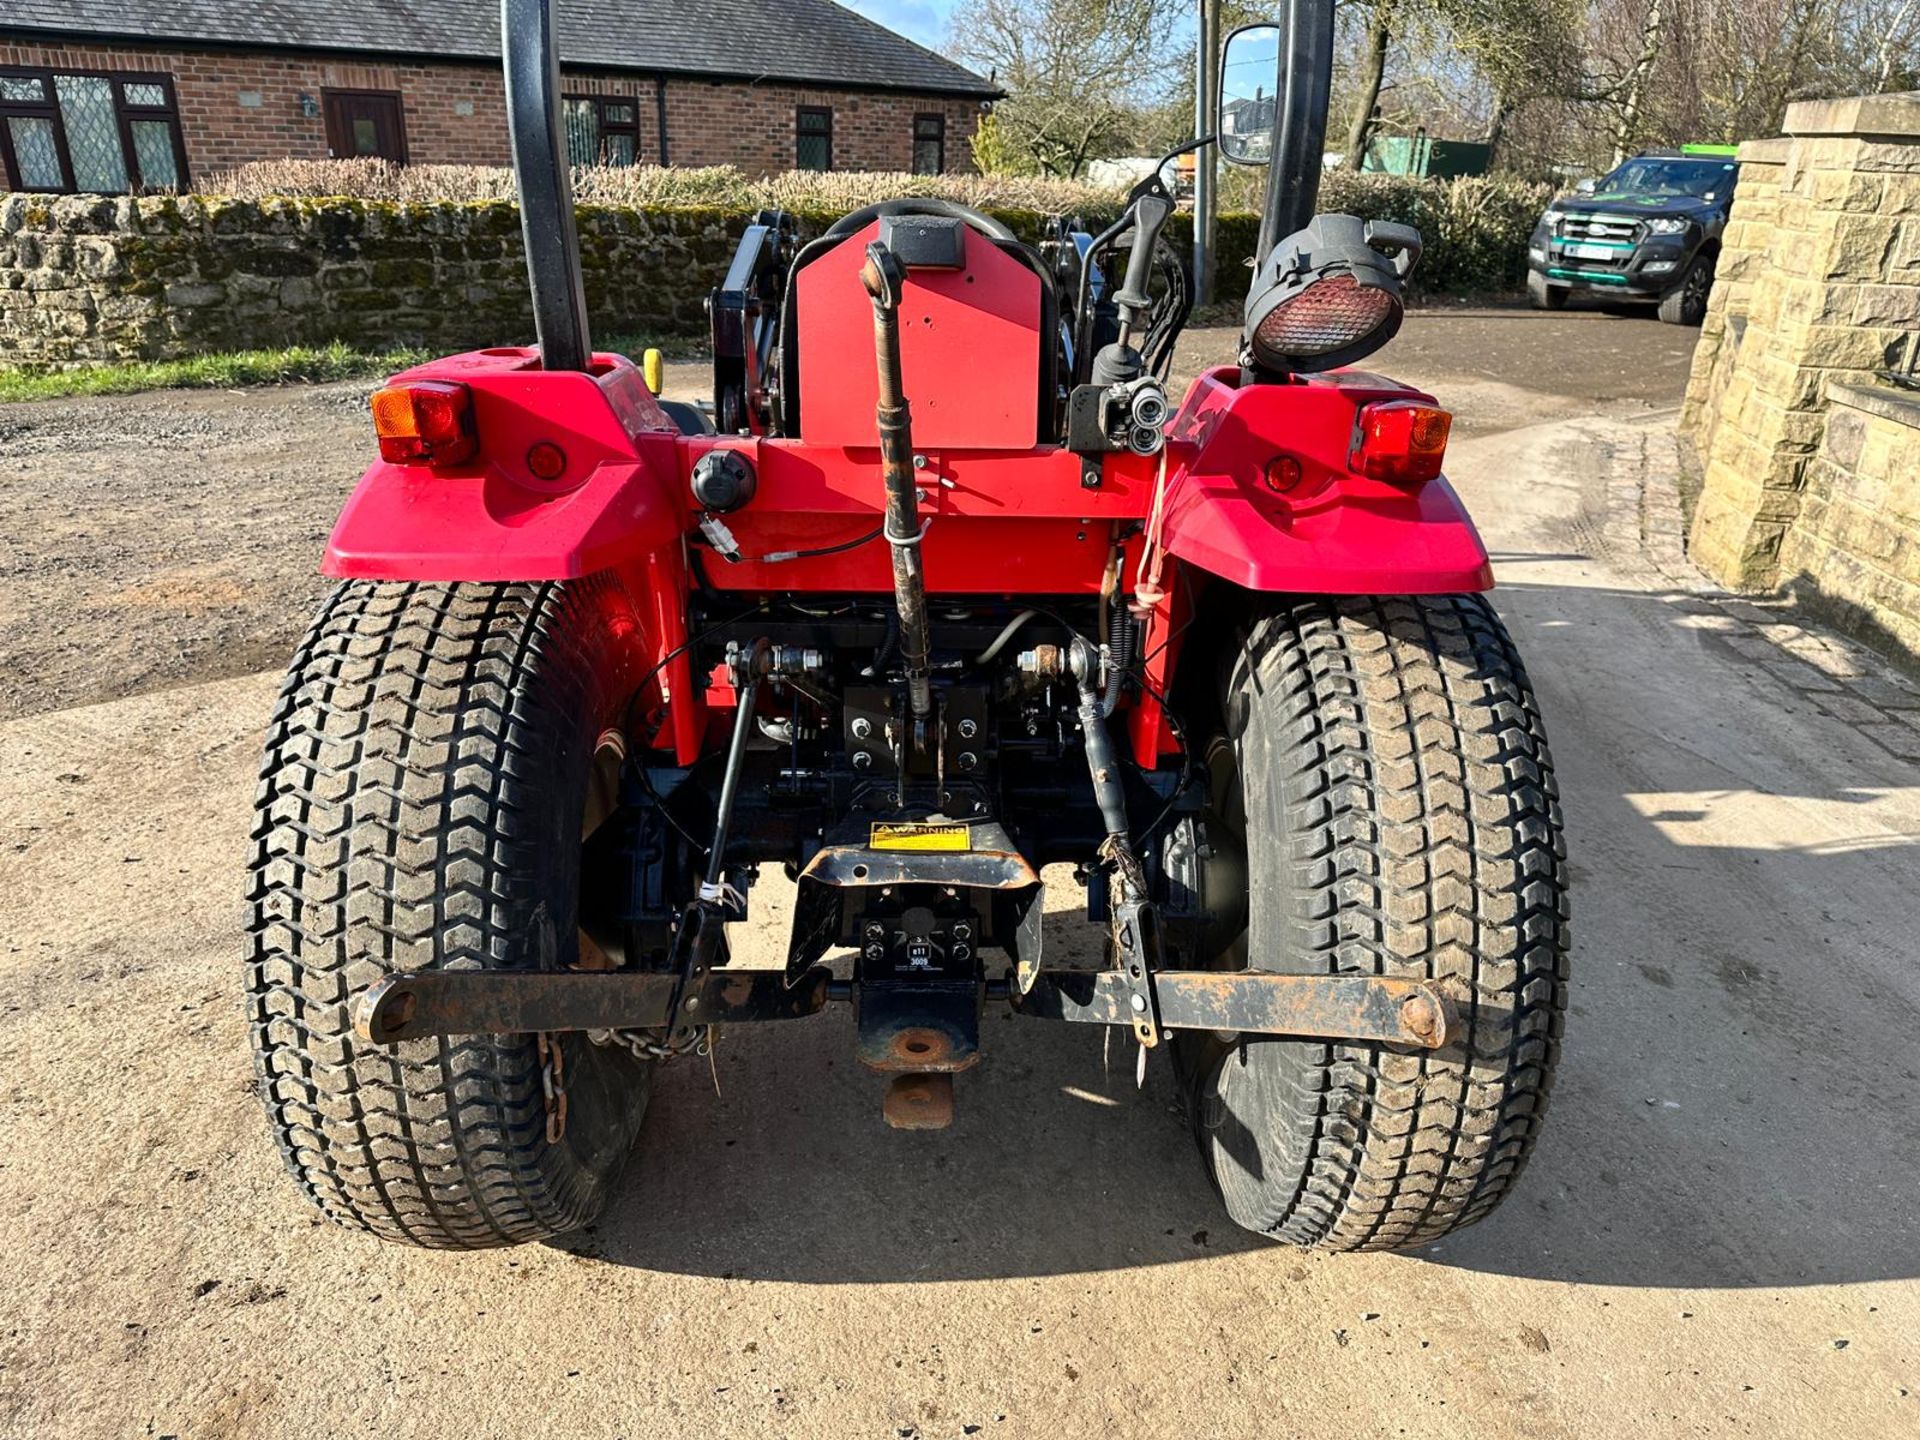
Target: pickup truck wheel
1542 296
435 756
1686 303
1400 818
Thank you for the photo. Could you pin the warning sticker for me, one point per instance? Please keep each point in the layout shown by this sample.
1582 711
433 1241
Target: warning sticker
944 836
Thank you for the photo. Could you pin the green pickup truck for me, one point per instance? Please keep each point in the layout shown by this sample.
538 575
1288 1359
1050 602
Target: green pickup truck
1650 230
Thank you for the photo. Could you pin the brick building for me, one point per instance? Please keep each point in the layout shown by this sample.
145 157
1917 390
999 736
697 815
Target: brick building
111 95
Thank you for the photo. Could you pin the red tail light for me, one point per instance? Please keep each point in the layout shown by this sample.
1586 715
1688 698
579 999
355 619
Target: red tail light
425 422
1404 441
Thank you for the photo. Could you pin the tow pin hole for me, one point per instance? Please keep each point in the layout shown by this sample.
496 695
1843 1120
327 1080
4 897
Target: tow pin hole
859 872
918 1047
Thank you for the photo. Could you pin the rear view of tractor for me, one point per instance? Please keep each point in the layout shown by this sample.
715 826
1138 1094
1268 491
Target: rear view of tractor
946 588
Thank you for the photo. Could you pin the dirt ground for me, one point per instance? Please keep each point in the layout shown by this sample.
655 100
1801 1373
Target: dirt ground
1717 1236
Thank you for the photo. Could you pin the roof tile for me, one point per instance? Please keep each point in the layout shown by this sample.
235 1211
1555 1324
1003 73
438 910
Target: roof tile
788 40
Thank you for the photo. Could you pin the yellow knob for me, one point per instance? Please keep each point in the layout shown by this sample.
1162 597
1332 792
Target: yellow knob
654 369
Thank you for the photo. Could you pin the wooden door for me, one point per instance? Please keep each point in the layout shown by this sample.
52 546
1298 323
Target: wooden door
365 124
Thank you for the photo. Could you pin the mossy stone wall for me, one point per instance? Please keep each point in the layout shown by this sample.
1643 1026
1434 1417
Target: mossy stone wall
88 279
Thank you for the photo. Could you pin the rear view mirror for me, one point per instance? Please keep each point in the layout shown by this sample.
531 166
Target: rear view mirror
1586 186
1249 94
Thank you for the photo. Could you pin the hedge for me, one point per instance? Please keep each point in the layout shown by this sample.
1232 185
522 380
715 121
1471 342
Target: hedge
1475 228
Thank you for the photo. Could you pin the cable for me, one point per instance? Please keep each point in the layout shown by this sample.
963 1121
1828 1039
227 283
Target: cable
1000 640
845 545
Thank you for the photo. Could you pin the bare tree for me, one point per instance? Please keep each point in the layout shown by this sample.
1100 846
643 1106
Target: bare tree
1633 89
1373 71
1076 72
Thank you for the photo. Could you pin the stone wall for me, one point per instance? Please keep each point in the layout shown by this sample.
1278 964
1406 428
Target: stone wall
1743 255
90 278
1819 291
1854 548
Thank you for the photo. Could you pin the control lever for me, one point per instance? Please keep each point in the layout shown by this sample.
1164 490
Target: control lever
1150 214
1120 362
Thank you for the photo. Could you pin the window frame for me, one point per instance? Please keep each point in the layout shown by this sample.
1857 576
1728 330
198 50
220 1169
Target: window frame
602 127
125 113
328 109
801 113
939 139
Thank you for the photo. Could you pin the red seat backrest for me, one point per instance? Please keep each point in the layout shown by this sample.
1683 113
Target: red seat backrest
969 350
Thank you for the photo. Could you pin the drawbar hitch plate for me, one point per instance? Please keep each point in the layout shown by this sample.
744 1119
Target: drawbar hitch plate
419 1003
1255 1002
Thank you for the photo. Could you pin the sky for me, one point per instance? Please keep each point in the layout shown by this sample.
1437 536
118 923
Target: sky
924 21
921 20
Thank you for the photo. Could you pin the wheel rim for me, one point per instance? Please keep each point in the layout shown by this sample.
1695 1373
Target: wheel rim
1698 280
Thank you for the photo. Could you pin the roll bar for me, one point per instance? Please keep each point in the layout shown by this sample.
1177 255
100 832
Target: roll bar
532 61
1300 133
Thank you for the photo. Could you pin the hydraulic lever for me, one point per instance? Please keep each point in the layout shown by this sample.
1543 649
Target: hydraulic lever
883 275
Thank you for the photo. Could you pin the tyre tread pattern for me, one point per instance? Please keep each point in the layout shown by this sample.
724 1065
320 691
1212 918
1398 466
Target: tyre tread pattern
403 822
1423 839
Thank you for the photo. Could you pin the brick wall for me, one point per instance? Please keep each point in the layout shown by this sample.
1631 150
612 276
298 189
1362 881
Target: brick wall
1824 256
716 123
237 107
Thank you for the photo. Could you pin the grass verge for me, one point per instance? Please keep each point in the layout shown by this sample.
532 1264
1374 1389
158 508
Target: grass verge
296 364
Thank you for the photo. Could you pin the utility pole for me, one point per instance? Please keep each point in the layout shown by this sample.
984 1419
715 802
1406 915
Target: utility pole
1206 66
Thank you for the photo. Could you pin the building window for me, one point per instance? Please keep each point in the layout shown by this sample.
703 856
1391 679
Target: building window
602 129
365 125
100 133
813 138
929 144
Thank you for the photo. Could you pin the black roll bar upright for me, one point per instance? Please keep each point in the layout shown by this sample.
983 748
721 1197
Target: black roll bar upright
1300 133
531 58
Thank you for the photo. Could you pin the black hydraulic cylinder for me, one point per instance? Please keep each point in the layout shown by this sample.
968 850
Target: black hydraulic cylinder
757 662
1101 760
883 275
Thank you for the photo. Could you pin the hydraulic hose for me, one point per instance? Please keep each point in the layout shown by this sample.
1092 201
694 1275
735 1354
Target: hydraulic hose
1120 637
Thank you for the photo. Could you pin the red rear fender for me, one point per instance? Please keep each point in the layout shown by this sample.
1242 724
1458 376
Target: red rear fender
1328 532
493 519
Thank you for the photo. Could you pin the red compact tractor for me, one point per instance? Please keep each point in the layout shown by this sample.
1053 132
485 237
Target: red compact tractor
944 589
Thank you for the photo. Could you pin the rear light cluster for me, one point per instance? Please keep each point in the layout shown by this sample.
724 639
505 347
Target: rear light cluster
1403 441
425 422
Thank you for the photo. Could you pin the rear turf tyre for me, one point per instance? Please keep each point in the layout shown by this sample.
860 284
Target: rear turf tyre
422 800
1686 303
1542 296
1386 763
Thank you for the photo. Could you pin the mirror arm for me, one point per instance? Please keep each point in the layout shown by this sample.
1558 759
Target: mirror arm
1300 130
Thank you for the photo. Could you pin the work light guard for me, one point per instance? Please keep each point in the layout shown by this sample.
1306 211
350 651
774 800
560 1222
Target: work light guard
1328 295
